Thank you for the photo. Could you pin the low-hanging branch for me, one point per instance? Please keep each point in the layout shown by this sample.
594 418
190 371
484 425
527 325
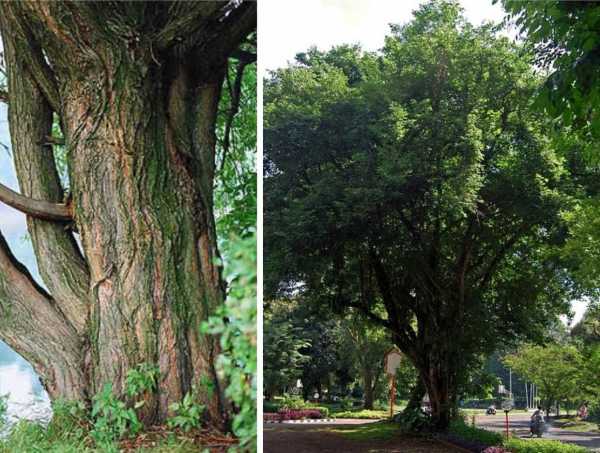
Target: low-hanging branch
39 209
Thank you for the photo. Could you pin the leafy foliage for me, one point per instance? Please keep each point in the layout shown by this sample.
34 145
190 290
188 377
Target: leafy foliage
235 322
541 446
470 433
235 211
555 369
283 343
566 40
112 419
141 379
418 186
187 413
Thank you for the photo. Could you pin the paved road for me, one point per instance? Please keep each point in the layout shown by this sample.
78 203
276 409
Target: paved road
519 422
317 438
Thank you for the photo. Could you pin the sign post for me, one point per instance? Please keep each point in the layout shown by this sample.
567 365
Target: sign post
391 363
507 406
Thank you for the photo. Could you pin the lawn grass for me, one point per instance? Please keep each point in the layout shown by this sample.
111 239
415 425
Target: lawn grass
574 424
541 446
371 431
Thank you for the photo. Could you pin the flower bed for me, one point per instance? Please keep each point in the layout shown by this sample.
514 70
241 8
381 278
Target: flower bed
299 414
271 417
292 414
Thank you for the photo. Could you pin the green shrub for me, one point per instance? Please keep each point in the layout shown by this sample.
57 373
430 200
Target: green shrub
413 420
293 402
470 433
188 413
541 446
269 406
112 419
323 409
142 378
363 414
235 322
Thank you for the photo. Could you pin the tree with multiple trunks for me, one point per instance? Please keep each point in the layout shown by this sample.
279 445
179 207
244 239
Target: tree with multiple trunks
417 186
129 256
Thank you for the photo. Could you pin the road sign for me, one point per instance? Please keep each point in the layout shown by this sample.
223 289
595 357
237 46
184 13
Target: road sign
392 361
508 405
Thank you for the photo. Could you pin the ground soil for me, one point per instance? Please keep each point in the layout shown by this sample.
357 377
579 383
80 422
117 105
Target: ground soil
300 438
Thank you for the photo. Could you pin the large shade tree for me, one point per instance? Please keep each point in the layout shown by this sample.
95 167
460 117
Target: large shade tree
417 186
132 90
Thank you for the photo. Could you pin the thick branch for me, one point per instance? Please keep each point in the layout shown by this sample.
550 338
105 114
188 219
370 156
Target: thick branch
59 259
30 52
235 93
231 32
35 208
3 96
32 324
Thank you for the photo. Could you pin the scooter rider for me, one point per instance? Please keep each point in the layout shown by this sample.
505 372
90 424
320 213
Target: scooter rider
535 424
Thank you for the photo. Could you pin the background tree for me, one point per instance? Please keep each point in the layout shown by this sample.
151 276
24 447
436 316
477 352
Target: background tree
557 370
134 89
422 188
367 344
283 343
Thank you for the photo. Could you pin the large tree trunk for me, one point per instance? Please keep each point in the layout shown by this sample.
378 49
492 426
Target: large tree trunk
368 386
438 368
138 114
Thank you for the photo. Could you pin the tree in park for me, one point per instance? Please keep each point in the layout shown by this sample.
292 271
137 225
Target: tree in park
417 186
131 90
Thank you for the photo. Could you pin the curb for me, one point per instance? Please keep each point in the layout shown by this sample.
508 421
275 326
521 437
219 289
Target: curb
308 420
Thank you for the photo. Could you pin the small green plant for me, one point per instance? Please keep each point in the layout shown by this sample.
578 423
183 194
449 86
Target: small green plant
293 402
187 413
112 419
3 408
143 378
347 403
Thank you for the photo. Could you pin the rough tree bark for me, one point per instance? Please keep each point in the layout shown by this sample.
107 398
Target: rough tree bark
135 88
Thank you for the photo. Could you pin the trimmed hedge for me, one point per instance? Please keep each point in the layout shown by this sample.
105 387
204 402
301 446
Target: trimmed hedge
270 407
541 446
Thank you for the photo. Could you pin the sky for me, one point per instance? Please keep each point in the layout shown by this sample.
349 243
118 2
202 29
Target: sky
286 27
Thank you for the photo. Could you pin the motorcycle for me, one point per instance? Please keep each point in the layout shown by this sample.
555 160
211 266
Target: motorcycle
536 426
490 411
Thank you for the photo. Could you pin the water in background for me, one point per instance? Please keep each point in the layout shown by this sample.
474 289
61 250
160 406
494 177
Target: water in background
27 399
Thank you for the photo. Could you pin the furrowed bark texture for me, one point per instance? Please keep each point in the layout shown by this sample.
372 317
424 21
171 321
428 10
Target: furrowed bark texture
136 88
